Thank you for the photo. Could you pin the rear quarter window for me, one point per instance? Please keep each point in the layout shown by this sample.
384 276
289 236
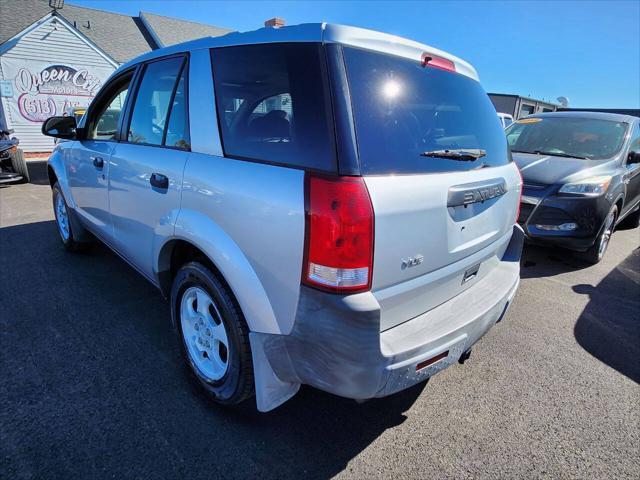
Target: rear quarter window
402 109
273 104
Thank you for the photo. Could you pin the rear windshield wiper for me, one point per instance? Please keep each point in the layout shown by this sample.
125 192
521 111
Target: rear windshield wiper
553 154
464 155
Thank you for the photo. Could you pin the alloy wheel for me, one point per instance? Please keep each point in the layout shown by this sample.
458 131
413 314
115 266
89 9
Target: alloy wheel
606 234
62 217
204 333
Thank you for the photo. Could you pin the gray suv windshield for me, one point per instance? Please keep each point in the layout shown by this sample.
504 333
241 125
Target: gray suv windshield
405 112
586 138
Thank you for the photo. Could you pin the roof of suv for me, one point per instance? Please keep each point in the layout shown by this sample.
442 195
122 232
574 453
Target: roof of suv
317 32
616 117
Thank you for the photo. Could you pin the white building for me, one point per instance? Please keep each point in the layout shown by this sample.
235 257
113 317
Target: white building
53 60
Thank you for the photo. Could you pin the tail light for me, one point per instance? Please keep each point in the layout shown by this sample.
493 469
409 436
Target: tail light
521 186
430 60
339 234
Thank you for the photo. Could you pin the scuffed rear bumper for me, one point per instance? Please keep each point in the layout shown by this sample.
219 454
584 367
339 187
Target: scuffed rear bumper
336 344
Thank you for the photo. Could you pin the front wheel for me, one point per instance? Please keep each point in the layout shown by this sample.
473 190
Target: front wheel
68 233
213 334
596 253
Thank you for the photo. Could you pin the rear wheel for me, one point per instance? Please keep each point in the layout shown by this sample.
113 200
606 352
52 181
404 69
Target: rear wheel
19 165
213 334
596 253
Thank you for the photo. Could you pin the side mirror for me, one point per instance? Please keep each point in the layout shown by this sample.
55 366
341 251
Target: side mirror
634 157
60 127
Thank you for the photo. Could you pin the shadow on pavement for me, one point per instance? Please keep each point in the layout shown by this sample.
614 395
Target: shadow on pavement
38 172
609 326
93 385
538 261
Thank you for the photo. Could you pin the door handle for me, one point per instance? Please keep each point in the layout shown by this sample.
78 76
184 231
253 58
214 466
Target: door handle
98 162
159 181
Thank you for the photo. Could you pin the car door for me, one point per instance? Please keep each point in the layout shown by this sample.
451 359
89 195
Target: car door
632 175
88 161
146 167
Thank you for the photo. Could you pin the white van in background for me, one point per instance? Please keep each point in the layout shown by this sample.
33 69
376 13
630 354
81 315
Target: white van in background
505 119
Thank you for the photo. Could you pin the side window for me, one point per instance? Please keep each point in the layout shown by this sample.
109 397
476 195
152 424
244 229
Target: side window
635 140
178 126
102 122
152 102
271 120
273 104
230 108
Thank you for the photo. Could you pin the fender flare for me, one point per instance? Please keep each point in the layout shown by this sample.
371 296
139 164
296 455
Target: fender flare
203 233
56 163
619 198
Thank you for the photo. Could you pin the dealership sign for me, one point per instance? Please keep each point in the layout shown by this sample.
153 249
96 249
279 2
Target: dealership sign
44 90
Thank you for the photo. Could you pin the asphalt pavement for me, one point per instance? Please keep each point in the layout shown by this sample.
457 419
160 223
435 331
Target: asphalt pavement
92 384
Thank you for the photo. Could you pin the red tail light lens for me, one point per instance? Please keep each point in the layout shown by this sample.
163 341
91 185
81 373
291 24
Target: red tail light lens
429 60
339 235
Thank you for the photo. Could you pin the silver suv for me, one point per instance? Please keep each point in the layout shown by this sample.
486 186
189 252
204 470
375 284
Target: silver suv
322 205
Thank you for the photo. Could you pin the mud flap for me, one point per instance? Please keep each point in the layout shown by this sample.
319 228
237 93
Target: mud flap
271 392
80 234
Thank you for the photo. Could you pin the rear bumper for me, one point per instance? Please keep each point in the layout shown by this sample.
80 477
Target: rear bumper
336 344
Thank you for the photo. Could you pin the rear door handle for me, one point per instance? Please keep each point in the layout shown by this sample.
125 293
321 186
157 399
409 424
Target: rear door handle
159 181
98 162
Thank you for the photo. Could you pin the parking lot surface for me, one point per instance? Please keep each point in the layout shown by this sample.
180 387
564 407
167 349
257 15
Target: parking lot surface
92 384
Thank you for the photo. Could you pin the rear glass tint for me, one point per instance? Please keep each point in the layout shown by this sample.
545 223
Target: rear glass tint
273 104
403 110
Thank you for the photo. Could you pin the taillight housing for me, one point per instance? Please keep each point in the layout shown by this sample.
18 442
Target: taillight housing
338 254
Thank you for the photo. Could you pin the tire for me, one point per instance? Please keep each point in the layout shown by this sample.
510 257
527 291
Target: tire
596 253
213 335
631 221
67 229
19 165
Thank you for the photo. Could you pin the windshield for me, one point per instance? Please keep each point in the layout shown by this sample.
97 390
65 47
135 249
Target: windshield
587 138
404 113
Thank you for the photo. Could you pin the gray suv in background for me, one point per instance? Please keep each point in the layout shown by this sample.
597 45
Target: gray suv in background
581 175
322 205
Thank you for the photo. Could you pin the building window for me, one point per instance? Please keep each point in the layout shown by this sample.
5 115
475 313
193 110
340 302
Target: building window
526 110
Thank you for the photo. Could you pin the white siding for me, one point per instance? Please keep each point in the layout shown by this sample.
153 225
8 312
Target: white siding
53 44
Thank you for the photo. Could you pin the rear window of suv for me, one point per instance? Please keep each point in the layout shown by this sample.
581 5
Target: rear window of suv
273 104
403 110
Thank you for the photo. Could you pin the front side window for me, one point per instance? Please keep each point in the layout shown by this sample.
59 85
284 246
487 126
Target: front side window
103 119
635 140
576 137
273 104
151 108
